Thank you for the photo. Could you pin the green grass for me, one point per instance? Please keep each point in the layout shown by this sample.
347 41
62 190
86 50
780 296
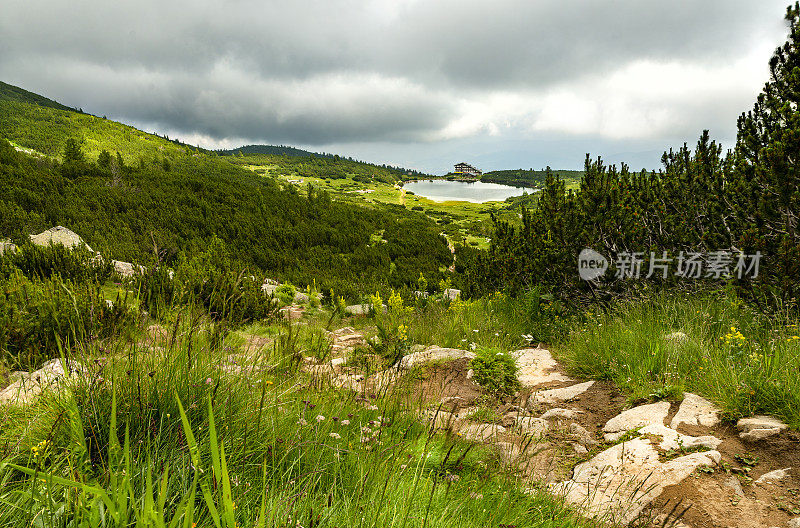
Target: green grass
165 437
746 362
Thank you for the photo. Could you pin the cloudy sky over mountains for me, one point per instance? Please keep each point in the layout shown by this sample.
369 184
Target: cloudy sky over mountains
420 83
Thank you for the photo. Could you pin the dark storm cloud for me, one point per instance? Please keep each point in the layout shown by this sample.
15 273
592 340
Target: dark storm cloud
325 71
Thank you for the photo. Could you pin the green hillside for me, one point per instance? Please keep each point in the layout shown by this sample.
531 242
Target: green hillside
35 122
14 93
272 150
181 199
529 177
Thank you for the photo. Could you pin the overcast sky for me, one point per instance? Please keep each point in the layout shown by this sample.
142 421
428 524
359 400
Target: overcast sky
419 83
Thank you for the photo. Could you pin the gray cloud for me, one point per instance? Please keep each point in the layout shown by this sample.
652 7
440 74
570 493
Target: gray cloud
323 72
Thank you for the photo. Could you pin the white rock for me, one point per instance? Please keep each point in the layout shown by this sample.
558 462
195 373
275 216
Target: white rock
27 387
59 235
677 337
536 366
561 414
561 395
695 410
579 449
434 353
778 474
481 432
620 482
644 415
470 374
531 426
585 438
759 427
452 294
794 523
671 439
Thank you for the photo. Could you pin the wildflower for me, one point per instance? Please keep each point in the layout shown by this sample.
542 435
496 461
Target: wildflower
209 381
334 435
366 430
372 407
268 382
345 422
320 418
403 466
302 421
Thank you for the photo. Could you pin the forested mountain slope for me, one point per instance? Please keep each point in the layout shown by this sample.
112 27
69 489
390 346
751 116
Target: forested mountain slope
126 192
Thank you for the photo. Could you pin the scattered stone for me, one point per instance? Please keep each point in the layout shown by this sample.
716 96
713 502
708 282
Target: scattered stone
734 485
7 246
440 419
584 437
561 414
642 416
759 427
778 474
126 269
671 439
470 374
360 309
561 395
300 298
432 354
269 287
579 449
794 523
530 426
620 482
537 367
677 337
695 410
27 387
481 432
452 294
59 235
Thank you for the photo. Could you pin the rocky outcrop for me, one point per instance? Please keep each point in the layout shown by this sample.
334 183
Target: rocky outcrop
759 427
617 484
695 410
59 235
28 386
642 416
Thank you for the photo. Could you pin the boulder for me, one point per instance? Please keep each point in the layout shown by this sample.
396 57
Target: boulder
452 294
432 354
695 410
642 416
7 246
759 427
536 367
584 437
59 235
778 474
671 439
553 396
532 427
561 414
28 386
618 483
481 432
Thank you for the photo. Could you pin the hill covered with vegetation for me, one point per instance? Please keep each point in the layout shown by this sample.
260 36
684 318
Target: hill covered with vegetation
126 192
528 177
